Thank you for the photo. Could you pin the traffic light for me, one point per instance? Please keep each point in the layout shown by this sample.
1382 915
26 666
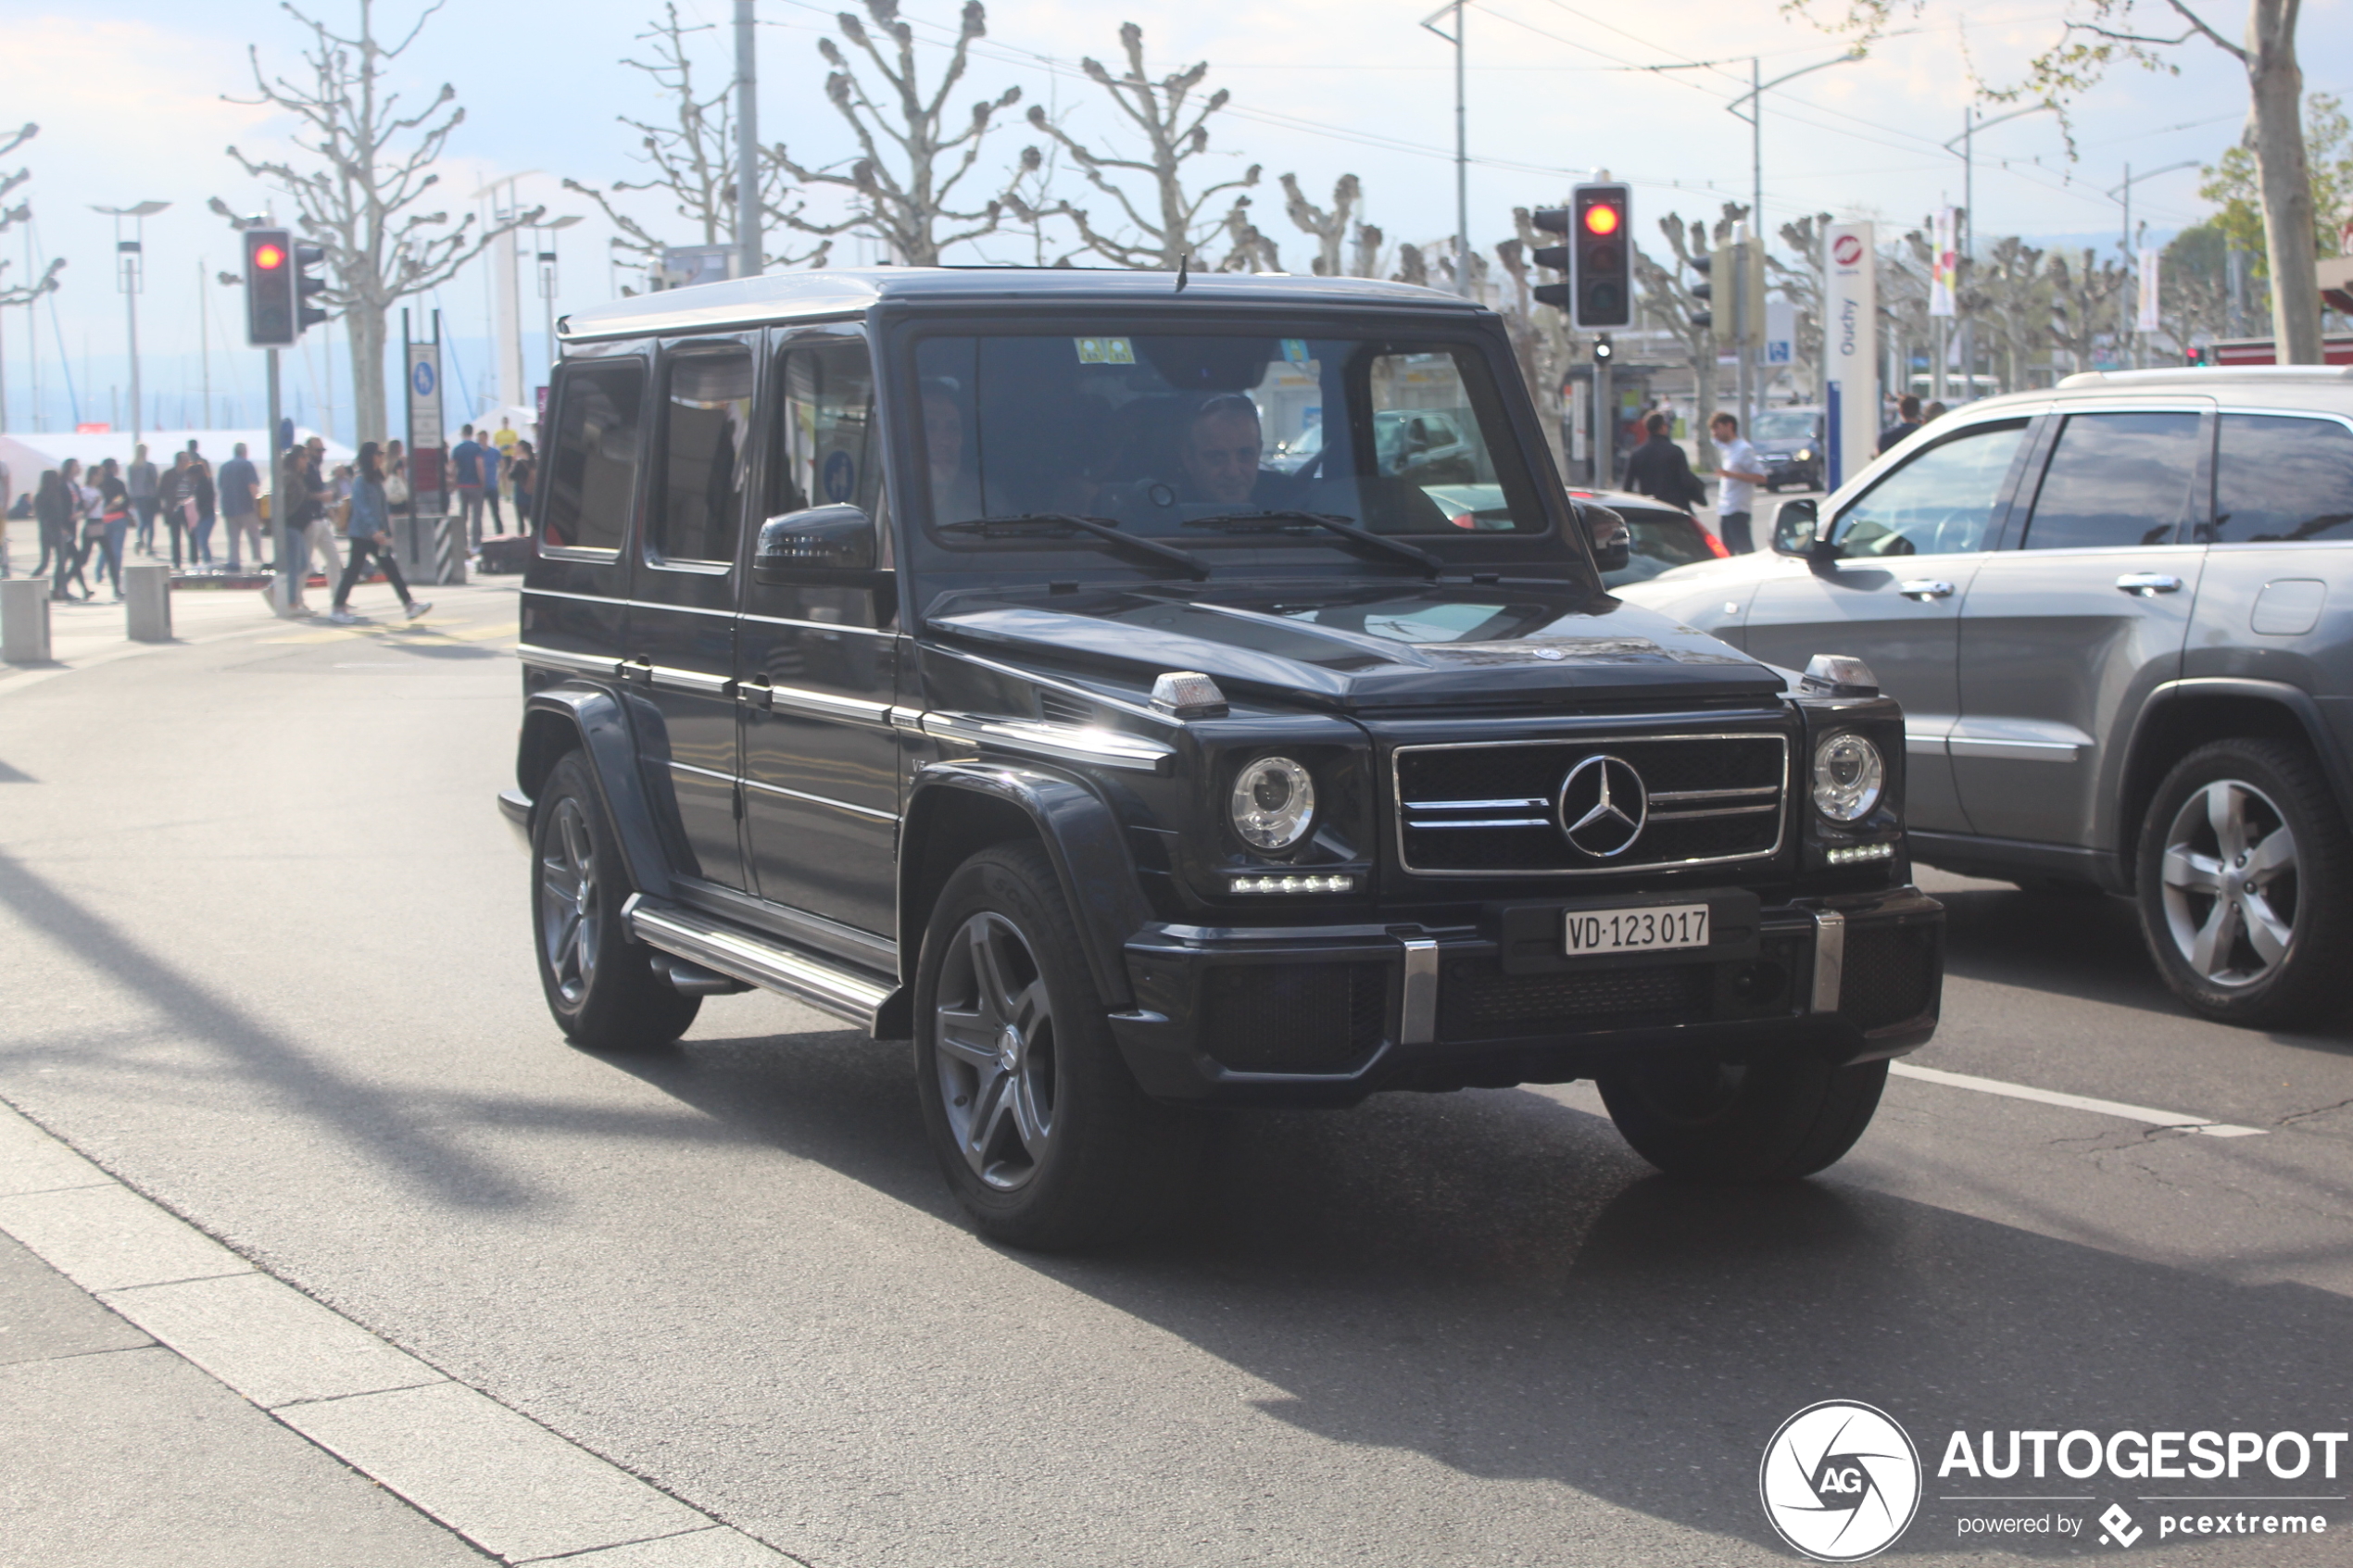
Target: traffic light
269 289
1704 291
1602 256
311 277
1552 221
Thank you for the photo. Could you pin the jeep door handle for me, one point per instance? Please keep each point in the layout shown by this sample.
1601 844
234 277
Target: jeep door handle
1924 589
758 693
640 670
2148 584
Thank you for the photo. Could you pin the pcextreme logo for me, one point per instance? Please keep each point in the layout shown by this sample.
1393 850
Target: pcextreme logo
1841 1481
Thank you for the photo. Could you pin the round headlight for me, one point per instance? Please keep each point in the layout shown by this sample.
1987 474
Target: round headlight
1848 776
1273 802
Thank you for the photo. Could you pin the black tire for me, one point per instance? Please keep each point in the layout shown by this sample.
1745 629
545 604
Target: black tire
1039 1128
601 987
2252 932
1694 1116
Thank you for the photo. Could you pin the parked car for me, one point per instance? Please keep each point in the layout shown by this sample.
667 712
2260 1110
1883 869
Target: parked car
934 647
1423 445
2119 618
1659 537
1790 442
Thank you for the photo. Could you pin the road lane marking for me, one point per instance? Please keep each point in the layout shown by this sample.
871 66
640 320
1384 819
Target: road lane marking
2077 1102
510 1485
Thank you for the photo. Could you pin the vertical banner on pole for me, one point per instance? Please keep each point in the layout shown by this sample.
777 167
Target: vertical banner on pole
1850 331
1944 266
2149 279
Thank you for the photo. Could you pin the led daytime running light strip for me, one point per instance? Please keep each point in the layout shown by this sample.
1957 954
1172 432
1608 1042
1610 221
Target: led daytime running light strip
1294 885
1856 853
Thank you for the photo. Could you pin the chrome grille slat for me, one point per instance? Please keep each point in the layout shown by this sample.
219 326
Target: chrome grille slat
1724 801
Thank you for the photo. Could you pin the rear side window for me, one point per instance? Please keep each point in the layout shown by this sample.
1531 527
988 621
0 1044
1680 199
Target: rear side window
825 432
706 451
1940 503
592 472
2116 480
2282 478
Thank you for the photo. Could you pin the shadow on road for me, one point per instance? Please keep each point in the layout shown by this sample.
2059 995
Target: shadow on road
1492 1280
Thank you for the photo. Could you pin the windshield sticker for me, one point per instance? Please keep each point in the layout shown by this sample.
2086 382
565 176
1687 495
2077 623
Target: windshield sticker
1295 350
1106 351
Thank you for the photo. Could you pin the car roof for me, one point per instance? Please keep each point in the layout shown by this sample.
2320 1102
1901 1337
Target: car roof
785 296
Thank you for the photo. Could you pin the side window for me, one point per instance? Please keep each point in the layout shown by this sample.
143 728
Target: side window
2281 478
1940 503
2116 480
592 471
827 448
699 489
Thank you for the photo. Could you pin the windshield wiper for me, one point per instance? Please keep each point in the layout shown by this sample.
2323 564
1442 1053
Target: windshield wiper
1241 522
1065 523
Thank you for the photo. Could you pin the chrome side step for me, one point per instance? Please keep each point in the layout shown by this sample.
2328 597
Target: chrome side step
802 976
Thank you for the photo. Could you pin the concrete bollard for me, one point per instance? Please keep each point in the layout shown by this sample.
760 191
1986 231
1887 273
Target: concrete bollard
147 592
24 620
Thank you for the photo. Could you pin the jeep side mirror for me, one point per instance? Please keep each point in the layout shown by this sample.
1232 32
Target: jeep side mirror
1612 542
814 545
1795 525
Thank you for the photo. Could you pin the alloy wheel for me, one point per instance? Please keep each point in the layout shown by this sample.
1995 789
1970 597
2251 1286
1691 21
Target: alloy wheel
569 917
2230 886
994 1047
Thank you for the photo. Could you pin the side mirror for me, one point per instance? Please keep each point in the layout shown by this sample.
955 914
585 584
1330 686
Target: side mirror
1795 525
1612 542
813 545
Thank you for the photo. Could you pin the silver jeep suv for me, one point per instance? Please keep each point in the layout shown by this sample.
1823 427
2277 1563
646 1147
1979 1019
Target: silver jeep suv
2118 616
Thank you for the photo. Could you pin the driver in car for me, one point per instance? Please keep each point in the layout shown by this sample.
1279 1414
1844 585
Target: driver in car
1221 450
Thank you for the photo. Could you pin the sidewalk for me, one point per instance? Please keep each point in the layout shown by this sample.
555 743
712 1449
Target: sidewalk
164 1401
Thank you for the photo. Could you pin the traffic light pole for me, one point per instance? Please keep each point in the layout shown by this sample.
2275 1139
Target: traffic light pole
1605 423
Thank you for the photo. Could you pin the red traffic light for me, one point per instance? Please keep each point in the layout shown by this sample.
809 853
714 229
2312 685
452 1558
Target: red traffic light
269 257
1603 220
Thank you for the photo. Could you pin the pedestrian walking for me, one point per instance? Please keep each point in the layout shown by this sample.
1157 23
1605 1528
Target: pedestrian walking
43 533
492 461
1907 419
176 495
523 471
206 498
240 487
395 464
144 483
1658 469
320 533
294 502
371 536
71 507
1739 471
465 477
114 522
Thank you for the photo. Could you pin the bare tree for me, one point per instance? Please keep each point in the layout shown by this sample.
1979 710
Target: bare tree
1411 267
24 293
691 157
911 157
1251 250
1683 313
1367 262
365 164
1330 227
2102 34
2016 316
1542 340
1802 286
1176 132
2083 300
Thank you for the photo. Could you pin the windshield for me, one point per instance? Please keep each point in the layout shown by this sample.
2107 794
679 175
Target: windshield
1786 425
1187 438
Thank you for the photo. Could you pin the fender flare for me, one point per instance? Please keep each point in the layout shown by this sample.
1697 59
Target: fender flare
602 724
1083 838
2277 694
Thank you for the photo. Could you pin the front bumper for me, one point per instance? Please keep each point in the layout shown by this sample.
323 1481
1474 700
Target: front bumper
1328 1015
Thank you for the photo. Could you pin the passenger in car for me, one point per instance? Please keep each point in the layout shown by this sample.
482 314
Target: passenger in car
1221 449
955 490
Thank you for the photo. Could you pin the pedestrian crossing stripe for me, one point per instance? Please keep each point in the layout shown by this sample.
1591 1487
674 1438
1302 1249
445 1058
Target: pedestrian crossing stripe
402 633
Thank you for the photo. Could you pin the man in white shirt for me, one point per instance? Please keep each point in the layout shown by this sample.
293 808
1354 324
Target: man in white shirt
1737 466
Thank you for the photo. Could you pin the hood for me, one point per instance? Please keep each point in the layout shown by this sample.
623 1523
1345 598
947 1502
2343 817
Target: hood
1363 646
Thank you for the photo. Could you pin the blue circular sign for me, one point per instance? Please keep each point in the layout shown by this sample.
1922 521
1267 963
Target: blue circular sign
839 476
421 379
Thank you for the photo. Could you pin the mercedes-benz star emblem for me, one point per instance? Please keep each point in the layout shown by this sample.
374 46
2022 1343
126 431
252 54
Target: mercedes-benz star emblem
1603 806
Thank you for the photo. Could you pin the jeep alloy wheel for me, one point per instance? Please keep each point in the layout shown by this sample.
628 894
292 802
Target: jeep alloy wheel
994 1034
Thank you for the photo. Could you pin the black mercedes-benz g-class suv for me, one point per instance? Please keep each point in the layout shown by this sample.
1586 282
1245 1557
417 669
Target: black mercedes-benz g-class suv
940 648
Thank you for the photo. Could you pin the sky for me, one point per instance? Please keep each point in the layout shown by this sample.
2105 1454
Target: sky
136 102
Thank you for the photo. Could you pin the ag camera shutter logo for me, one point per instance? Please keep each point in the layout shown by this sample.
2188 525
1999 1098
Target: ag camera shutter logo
1841 1481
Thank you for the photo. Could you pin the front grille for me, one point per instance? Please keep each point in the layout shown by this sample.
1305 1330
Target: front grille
1479 1001
1294 1018
1888 976
1476 811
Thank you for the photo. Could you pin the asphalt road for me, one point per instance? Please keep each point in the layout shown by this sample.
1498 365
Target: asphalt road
264 956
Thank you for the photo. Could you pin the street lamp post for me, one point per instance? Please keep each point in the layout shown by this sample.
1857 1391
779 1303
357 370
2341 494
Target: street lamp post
2125 324
547 257
1755 100
131 278
1971 126
1461 147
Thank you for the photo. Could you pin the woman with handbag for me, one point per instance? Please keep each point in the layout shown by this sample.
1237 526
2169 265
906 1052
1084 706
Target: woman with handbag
370 534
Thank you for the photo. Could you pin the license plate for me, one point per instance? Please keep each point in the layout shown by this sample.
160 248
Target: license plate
1646 930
